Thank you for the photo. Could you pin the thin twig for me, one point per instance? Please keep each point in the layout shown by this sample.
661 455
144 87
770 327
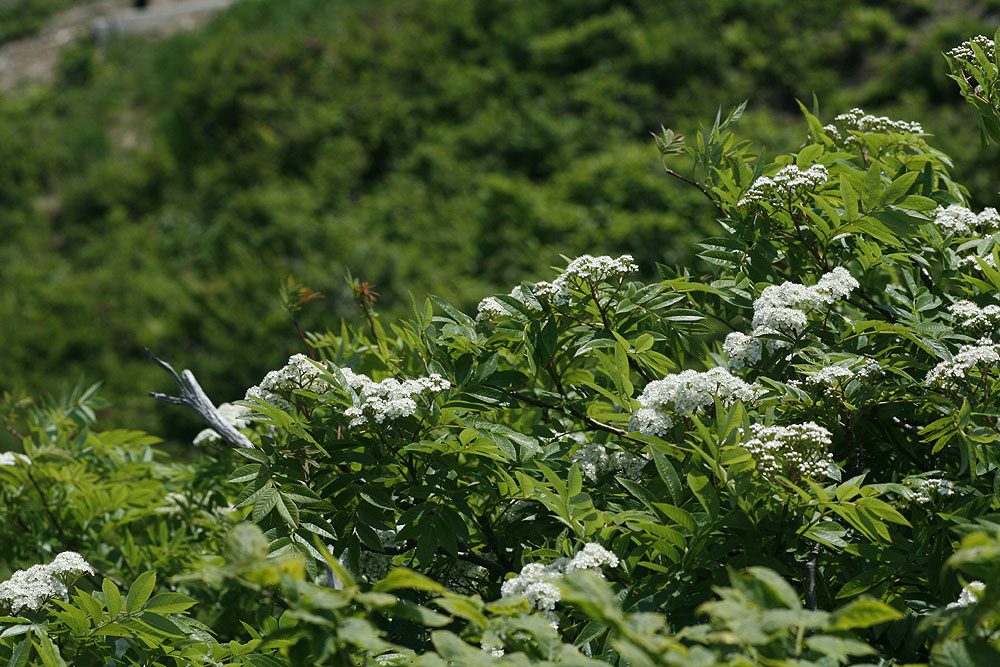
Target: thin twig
695 184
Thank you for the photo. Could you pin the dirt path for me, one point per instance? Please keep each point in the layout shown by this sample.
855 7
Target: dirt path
35 58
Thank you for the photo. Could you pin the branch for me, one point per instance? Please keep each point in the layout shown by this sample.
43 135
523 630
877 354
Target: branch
592 424
464 553
193 396
811 577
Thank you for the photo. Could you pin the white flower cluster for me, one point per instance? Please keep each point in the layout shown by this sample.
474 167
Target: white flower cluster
781 309
13 458
29 589
742 350
840 375
983 353
494 651
964 50
970 594
795 451
585 269
390 398
598 269
685 393
491 308
926 490
595 460
299 373
790 182
857 120
538 583
960 220
233 414
972 261
970 316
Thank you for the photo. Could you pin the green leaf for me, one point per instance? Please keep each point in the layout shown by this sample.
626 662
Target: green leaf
863 613
160 624
47 651
266 502
850 198
140 591
838 648
704 492
19 657
168 603
112 597
866 580
288 510
898 188
668 474
244 473
402 577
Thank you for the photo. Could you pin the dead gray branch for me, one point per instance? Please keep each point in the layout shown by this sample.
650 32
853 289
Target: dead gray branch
193 396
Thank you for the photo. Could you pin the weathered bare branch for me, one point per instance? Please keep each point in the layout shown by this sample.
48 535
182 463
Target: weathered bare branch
193 396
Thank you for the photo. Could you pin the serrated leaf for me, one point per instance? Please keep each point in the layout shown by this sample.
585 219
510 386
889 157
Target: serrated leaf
265 503
168 603
140 591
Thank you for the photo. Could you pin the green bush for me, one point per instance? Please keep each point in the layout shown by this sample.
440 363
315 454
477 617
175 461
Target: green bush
786 459
158 193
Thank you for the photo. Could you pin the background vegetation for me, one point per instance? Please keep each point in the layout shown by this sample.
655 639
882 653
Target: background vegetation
159 193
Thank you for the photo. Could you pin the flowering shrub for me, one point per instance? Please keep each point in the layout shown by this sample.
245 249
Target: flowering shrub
786 457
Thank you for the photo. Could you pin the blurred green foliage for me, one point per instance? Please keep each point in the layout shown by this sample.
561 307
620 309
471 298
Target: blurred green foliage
160 192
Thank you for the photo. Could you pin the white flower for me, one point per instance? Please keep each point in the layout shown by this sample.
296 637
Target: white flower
491 308
539 583
782 309
794 451
299 373
956 219
741 350
232 414
970 594
789 183
964 50
970 316
972 261
592 557
29 589
989 218
684 394
927 489
960 220
984 353
857 120
389 399
13 459
494 651
841 374
596 460
832 131
597 269
585 269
